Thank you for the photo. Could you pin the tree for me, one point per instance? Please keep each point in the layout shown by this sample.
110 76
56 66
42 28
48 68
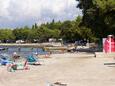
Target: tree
69 30
35 26
22 33
44 33
99 16
86 33
6 35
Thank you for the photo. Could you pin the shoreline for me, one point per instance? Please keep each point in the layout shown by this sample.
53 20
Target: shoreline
32 44
24 45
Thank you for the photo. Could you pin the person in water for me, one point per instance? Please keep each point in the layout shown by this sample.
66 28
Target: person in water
15 56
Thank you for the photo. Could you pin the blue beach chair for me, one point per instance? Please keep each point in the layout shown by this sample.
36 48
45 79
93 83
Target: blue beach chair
5 59
33 60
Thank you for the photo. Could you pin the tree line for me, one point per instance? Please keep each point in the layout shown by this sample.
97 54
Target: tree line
68 30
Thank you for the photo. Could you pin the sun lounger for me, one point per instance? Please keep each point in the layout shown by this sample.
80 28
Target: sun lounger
17 66
5 59
32 60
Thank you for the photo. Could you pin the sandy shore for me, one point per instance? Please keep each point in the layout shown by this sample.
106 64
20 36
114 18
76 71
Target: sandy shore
80 69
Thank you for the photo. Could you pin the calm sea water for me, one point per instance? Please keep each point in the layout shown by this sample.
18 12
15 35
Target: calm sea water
22 51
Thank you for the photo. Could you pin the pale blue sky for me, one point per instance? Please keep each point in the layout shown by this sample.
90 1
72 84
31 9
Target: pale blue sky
18 13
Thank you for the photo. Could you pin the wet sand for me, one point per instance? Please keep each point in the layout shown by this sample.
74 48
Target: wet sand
78 69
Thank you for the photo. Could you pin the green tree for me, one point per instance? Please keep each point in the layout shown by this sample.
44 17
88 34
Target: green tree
44 33
69 30
99 16
6 34
22 33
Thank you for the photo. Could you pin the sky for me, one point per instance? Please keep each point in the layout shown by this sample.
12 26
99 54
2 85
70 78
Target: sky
19 13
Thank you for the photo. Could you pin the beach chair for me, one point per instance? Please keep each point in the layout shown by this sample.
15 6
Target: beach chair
17 66
5 59
33 60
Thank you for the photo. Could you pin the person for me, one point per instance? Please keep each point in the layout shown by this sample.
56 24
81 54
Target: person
19 49
76 44
35 53
15 56
109 44
14 53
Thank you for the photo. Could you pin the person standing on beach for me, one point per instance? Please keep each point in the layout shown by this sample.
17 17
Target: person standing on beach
76 44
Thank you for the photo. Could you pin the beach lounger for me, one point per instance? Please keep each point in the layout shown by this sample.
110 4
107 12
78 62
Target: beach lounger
17 66
32 60
5 59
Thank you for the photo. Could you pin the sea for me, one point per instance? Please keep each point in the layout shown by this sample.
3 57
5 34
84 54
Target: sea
22 51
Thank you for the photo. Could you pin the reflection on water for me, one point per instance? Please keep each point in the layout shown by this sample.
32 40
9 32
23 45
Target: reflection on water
23 51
